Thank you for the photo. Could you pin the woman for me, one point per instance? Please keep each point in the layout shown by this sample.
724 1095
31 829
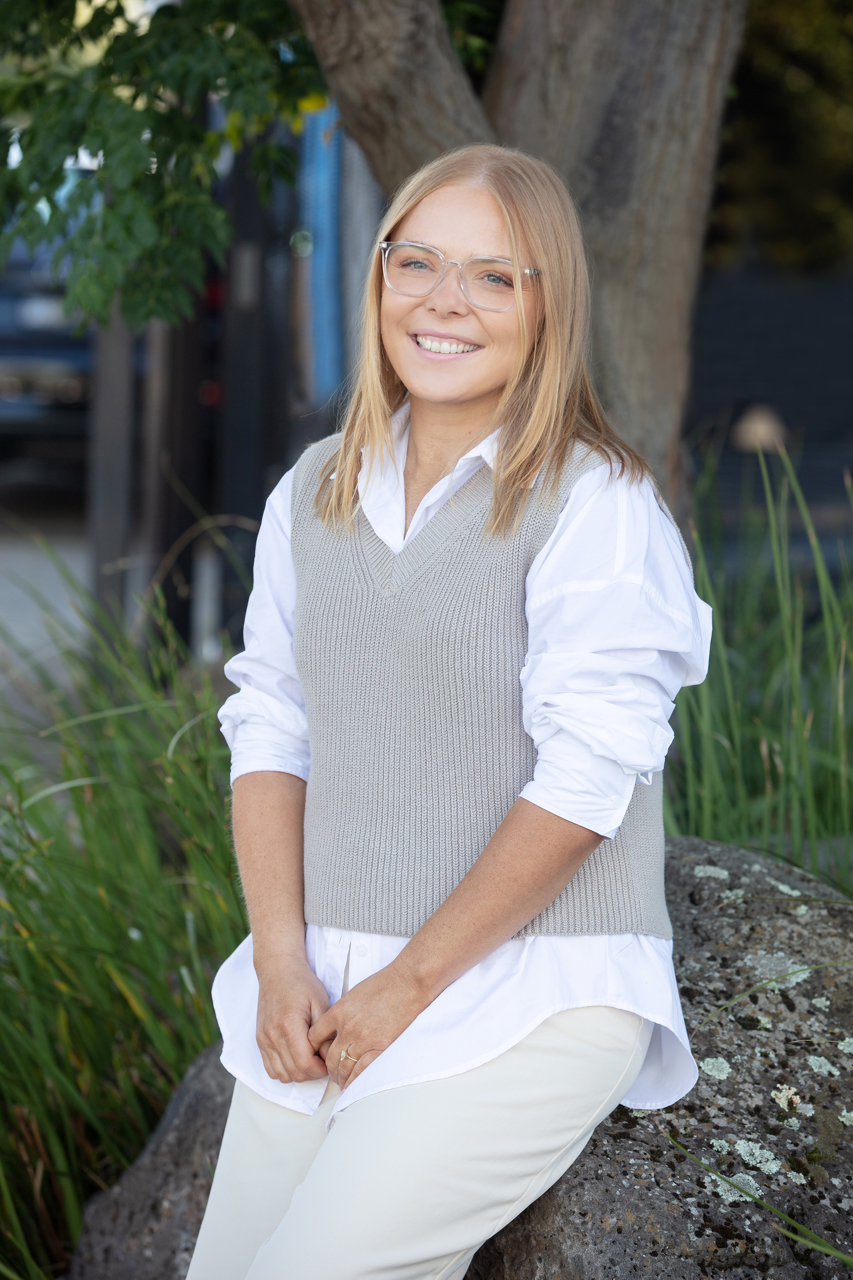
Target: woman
470 617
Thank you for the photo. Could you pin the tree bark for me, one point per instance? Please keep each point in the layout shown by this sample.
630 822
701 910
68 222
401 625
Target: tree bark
401 91
623 97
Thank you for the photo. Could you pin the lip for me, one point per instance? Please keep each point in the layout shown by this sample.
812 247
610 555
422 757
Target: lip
443 337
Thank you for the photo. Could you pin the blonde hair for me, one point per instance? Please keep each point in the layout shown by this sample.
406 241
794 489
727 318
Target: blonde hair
549 401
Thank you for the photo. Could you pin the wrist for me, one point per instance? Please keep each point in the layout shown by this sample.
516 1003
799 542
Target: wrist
420 985
282 947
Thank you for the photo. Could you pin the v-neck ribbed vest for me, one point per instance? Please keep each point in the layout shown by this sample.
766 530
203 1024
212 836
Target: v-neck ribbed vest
410 668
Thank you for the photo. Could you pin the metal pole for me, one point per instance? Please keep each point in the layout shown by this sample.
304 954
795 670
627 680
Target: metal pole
111 461
155 434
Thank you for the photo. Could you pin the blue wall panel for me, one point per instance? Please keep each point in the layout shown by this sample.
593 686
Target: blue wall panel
319 180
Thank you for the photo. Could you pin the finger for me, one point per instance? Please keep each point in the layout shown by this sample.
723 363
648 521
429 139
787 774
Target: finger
287 1054
337 1063
307 1062
272 1041
273 1064
346 1066
363 1063
323 1030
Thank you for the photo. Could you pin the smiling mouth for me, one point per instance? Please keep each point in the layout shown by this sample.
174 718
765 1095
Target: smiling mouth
444 346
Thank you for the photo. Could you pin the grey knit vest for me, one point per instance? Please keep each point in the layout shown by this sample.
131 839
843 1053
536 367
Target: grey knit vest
410 667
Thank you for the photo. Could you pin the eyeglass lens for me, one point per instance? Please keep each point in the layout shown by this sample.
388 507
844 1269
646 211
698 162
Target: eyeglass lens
488 282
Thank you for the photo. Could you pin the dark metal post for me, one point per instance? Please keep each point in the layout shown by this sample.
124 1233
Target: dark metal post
111 461
241 453
155 435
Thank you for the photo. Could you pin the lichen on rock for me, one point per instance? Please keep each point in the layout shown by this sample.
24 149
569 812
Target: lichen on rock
632 1204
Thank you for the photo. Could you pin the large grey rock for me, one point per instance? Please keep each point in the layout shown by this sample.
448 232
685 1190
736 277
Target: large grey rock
630 1204
144 1228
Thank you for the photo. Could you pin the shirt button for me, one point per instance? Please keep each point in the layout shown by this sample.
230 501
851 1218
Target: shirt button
361 949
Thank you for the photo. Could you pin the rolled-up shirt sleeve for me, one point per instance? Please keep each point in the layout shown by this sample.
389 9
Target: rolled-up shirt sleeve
615 630
264 723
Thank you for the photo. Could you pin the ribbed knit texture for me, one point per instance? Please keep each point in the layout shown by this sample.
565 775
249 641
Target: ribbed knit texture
410 667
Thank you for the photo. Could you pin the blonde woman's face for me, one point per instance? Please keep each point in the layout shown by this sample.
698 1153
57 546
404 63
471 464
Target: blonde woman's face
462 222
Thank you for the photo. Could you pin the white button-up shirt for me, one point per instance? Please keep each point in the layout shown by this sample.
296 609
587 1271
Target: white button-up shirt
614 630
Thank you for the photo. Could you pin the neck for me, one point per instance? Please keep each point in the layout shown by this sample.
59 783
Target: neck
440 434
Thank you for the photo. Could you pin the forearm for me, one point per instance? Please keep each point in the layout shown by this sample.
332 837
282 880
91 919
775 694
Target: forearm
268 813
526 865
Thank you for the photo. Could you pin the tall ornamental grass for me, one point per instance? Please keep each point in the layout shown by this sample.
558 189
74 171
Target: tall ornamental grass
117 901
762 748
118 895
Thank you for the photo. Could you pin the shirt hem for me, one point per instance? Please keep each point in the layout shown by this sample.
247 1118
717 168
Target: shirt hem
667 1099
527 1029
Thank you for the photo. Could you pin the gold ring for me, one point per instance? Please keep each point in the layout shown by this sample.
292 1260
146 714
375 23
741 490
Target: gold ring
346 1054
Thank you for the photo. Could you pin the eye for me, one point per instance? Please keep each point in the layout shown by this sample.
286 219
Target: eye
414 264
493 278
498 280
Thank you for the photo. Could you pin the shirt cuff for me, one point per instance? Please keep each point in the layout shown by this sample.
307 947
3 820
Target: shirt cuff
572 782
256 746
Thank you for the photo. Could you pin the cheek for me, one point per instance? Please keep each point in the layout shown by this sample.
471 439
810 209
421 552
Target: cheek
392 311
505 335
392 331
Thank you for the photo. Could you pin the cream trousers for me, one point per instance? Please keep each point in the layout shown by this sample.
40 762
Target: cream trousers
411 1181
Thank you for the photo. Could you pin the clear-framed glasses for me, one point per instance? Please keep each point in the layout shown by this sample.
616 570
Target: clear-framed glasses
487 283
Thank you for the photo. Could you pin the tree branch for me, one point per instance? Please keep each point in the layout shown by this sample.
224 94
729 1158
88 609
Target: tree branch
402 92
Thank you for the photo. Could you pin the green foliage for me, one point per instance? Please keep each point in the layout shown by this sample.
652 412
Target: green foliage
785 177
134 95
762 748
473 27
118 900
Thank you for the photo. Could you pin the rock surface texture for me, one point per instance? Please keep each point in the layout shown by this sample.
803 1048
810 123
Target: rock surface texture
773 1109
144 1228
632 1205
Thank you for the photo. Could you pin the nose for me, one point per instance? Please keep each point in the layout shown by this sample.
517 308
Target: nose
447 297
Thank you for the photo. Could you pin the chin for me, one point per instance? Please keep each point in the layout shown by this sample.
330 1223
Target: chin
439 392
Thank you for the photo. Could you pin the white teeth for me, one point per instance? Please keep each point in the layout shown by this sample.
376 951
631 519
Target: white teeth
445 348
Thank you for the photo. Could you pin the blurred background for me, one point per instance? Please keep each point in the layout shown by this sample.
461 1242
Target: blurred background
116 445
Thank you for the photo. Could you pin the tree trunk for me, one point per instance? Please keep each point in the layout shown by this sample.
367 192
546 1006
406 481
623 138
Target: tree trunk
401 91
623 97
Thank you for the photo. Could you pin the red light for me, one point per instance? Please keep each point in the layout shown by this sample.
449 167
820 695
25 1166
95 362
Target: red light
210 394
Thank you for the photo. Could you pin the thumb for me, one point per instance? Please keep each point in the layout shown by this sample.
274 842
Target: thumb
323 1030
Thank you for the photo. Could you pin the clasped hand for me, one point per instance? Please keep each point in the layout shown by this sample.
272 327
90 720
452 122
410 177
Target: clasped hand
301 1037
